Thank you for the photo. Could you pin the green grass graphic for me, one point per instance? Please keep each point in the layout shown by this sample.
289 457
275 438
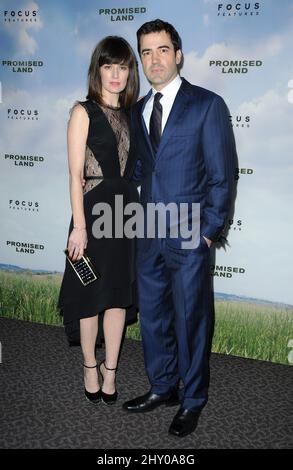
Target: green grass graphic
248 329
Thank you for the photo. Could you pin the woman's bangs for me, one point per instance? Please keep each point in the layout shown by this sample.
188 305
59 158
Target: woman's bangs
117 53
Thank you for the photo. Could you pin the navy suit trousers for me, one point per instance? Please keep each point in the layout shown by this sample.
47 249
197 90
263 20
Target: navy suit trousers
175 298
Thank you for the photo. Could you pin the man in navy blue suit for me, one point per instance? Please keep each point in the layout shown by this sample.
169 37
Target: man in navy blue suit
185 154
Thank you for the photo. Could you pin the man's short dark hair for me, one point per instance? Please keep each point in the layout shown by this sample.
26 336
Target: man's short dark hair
156 26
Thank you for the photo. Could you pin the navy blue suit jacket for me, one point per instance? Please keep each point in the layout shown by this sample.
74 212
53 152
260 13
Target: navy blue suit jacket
196 158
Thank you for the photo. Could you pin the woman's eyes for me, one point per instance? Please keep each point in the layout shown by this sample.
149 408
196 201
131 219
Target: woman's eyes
108 67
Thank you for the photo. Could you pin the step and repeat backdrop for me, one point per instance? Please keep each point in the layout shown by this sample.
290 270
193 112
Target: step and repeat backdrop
242 50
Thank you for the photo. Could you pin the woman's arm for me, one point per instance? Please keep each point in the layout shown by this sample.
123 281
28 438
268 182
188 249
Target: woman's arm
76 143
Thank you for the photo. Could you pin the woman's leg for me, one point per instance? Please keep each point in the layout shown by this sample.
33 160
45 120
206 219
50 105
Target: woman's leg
88 336
114 321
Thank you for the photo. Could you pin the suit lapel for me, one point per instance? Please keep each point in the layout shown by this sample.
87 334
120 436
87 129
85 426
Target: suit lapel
178 110
144 128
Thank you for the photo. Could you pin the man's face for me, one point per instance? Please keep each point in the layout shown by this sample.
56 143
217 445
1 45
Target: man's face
159 59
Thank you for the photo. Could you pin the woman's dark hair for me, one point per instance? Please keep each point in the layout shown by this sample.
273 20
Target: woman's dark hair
113 50
156 26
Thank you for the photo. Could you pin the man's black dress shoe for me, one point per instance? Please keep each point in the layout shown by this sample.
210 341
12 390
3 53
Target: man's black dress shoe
150 401
184 422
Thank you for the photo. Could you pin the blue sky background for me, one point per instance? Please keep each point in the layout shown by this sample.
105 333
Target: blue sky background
69 31
64 37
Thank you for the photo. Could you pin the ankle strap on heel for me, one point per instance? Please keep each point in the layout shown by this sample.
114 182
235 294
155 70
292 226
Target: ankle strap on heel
108 368
90 367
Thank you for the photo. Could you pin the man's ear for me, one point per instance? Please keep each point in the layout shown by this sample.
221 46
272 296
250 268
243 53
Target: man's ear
178 56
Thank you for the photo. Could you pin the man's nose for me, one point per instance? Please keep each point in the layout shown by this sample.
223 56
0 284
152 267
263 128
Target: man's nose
155 57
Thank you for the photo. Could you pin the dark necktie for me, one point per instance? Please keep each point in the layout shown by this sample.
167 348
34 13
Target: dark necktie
156 122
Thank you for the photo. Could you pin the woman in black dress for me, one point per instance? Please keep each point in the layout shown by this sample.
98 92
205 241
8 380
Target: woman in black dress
99 153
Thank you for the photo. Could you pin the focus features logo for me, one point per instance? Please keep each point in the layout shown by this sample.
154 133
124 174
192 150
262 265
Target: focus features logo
238 9
240 121
235 225
20 16
23 114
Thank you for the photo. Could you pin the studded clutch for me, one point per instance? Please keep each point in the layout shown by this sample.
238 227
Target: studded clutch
83 269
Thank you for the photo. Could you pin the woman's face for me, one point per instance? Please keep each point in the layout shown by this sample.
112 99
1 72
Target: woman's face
114 78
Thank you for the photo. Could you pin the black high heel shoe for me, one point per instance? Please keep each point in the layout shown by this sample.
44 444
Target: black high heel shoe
107 398
95 397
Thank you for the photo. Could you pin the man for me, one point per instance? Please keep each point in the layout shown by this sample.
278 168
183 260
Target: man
185 149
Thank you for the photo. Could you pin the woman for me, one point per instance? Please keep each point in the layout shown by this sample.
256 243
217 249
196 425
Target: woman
98 152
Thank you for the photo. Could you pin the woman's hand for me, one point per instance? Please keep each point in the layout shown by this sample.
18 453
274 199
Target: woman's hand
77 243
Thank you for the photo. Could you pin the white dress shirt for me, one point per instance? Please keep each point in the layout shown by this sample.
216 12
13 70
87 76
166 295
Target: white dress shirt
169 93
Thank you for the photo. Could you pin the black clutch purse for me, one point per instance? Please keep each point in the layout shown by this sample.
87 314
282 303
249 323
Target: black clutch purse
84 269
